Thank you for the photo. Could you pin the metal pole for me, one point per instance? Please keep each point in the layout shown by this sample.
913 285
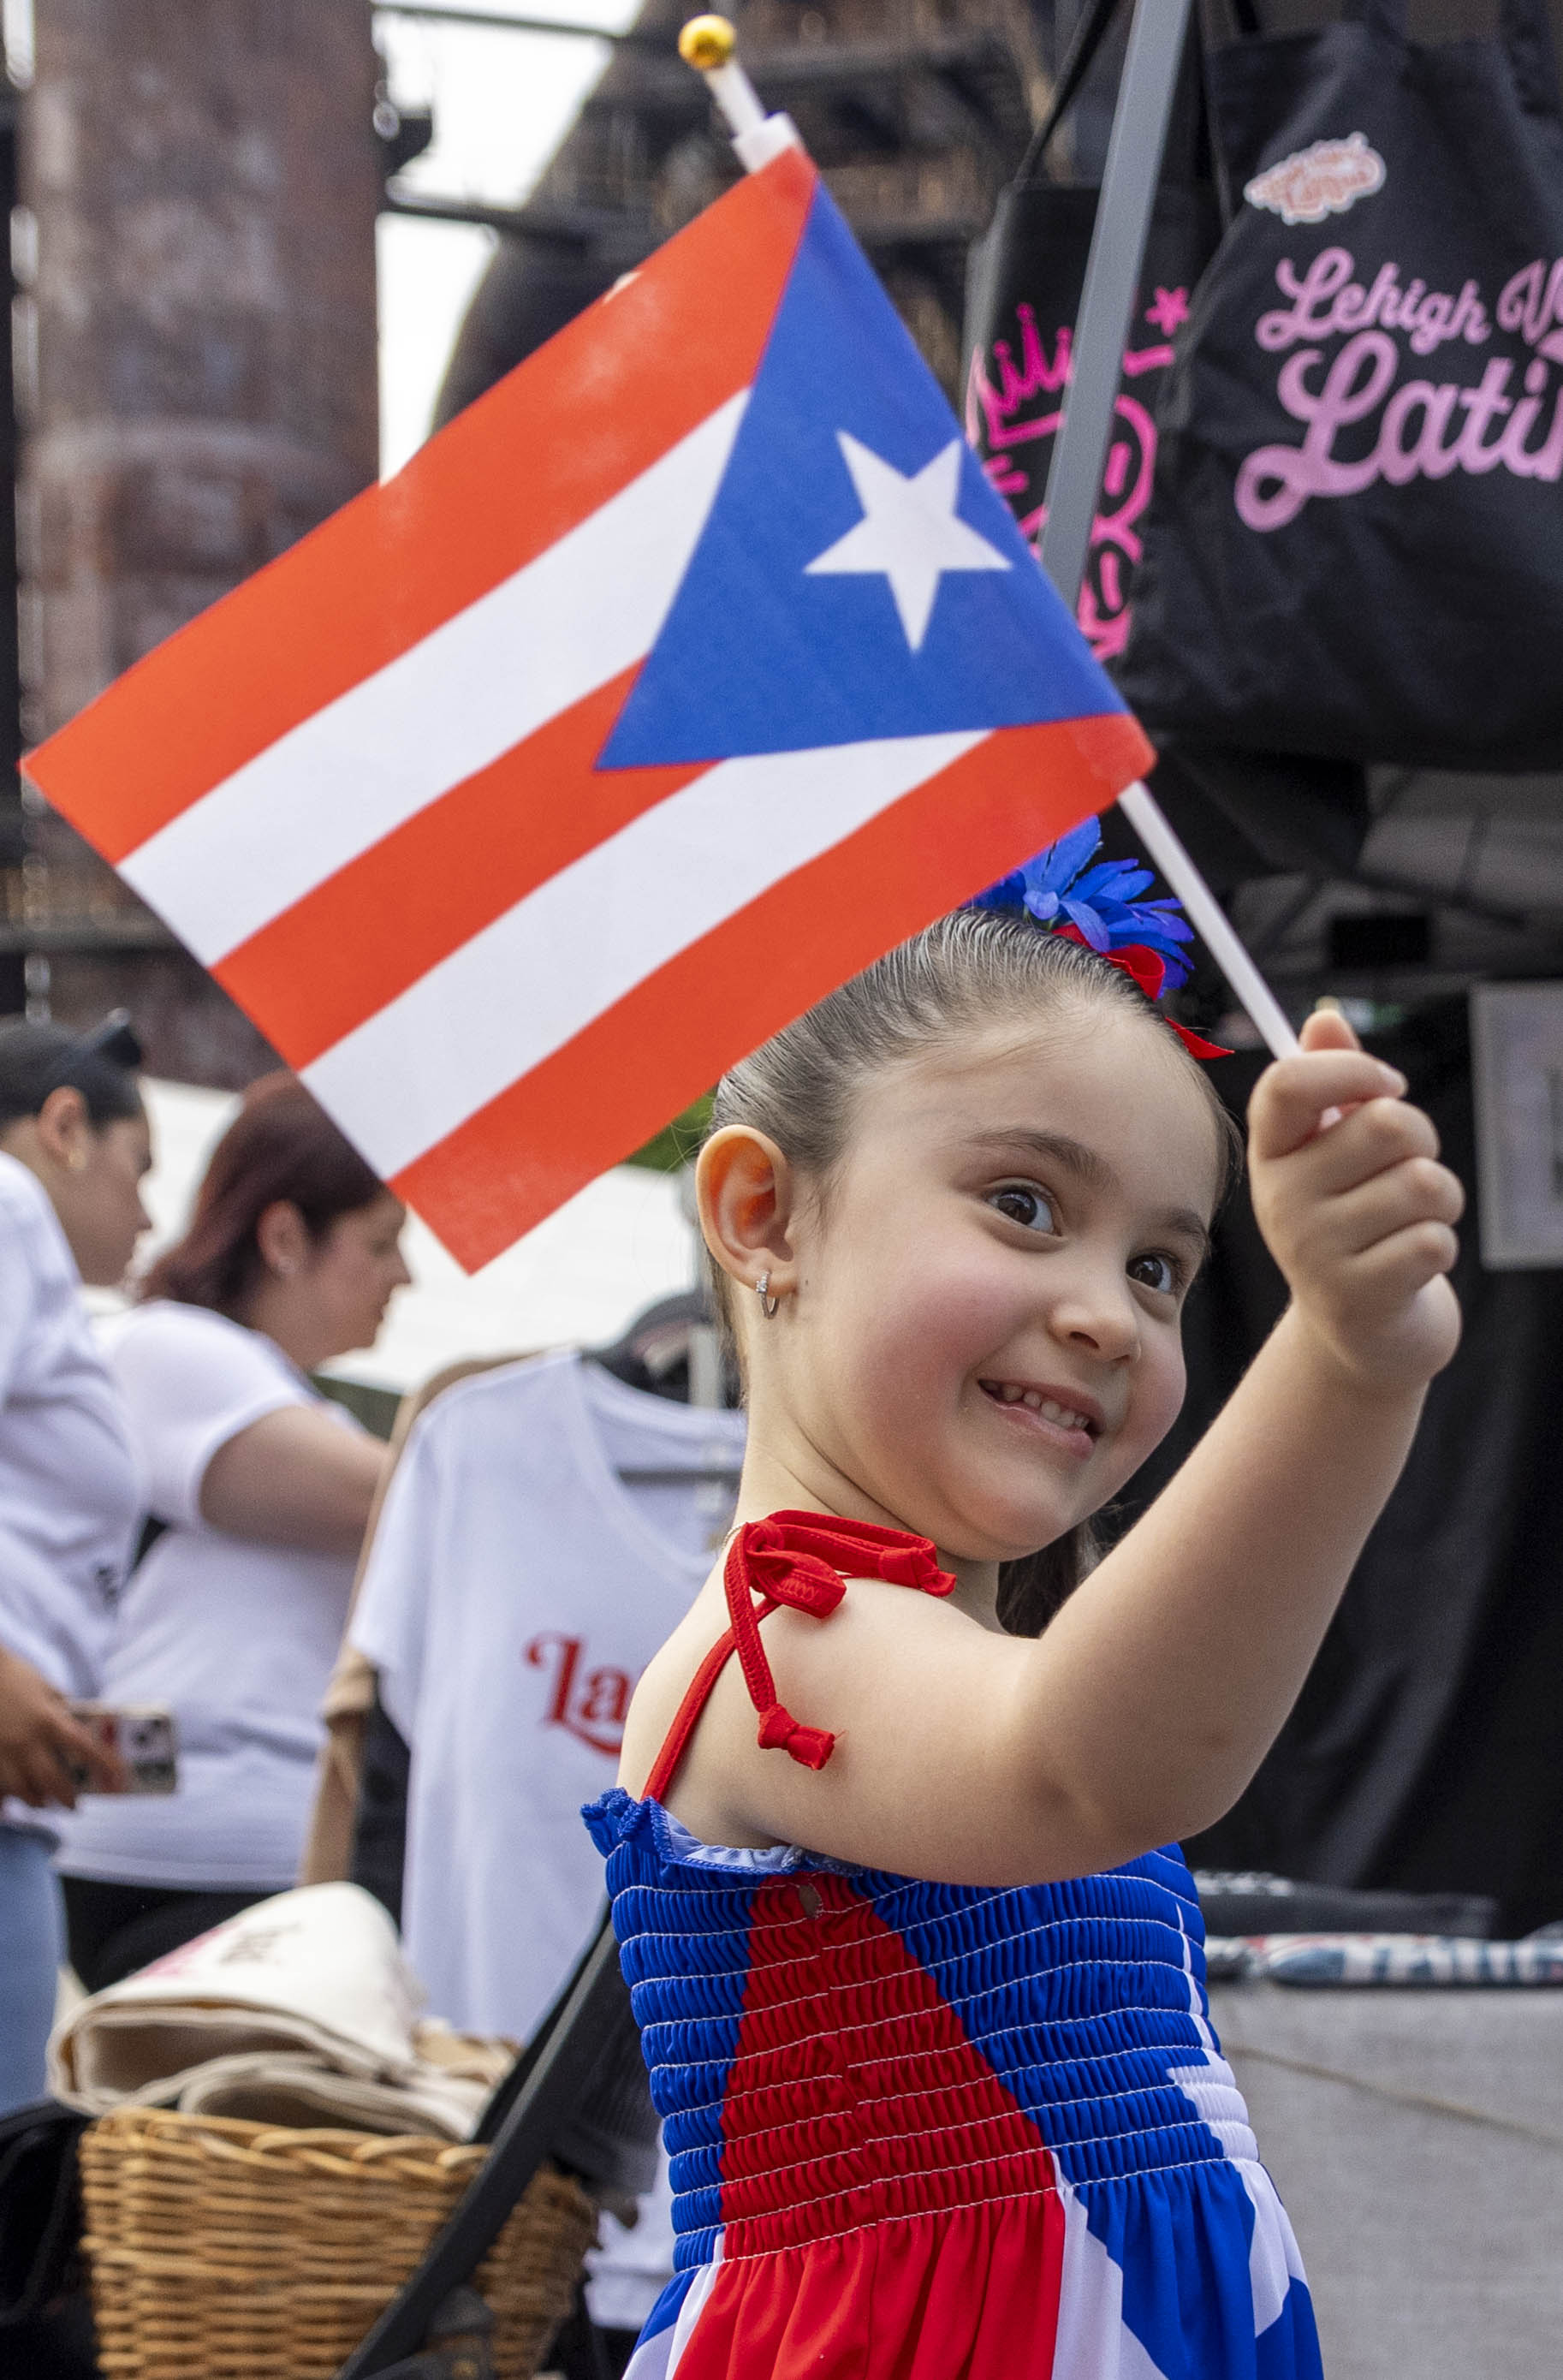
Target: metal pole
1112 276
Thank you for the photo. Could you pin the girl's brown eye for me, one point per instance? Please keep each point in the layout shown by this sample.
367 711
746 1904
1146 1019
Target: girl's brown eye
1024 1205
1157 1272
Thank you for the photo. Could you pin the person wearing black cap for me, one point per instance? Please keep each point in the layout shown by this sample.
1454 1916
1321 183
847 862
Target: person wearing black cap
74 1146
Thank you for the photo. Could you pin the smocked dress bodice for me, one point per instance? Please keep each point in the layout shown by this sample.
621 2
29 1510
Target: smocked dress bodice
919 2130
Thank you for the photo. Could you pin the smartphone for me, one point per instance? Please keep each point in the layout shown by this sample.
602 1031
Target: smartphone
144 1737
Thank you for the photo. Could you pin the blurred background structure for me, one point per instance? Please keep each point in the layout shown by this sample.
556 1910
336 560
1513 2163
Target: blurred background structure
196 188
193 211
917 111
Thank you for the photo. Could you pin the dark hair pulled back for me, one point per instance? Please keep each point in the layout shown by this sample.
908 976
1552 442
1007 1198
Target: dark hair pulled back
37 1060
282 1145
975 967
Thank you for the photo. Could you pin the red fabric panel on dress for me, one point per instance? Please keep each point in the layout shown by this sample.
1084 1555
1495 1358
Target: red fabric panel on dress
855 2096
972 2295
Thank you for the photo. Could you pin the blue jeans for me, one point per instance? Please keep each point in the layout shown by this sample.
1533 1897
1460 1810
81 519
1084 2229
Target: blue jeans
32 1947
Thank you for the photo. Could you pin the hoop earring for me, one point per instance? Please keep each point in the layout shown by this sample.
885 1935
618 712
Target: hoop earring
768 1305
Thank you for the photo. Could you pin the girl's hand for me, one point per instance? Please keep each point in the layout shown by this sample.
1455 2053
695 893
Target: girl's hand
1357 1212
42 1748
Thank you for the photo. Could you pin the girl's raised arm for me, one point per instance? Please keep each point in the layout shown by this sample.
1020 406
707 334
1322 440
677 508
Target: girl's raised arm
1200 1626
1141 1713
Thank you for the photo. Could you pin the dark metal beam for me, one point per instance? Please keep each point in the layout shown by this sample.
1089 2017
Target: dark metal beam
571 226
919 231
826 66
631 38
804 66
582 226
133 931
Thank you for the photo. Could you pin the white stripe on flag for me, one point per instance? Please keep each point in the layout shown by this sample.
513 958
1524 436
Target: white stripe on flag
521 989
485 679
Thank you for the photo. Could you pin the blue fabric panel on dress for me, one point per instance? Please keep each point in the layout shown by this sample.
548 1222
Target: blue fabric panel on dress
1087 1999
684 1936
669 2306
1290 2348
1078 1994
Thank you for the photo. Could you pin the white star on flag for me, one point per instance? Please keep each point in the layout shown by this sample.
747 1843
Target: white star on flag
909 531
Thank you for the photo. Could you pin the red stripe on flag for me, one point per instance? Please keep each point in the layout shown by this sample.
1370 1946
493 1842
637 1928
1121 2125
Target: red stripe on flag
620 1079
507 479
362 937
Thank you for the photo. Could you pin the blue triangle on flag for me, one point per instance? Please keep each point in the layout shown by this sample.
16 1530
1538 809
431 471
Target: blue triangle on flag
934 618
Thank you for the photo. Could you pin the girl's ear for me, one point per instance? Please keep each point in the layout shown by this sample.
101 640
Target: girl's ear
747 1196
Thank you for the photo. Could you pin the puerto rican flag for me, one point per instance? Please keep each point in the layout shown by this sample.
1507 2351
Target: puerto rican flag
687 671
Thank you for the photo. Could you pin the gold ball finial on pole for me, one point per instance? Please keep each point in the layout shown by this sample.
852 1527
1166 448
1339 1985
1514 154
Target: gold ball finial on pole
707 43
711 46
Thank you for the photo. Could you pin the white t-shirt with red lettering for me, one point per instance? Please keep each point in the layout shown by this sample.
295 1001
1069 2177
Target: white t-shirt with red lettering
517 1587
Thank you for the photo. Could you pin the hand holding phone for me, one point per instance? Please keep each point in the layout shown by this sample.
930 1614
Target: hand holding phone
139 1740
46 1754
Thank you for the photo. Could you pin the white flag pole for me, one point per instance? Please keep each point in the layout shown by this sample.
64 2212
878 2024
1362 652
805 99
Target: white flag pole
1208 918
710 45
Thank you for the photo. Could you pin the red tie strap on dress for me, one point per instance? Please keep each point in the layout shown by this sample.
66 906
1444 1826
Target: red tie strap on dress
796 1558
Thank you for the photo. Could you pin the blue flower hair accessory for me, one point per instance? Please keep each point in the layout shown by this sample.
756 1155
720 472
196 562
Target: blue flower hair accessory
1102 903
1101 908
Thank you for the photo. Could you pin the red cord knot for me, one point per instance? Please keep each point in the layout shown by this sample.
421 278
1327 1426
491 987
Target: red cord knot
779 1731
803 1582
798 1559
795 1558
914 1565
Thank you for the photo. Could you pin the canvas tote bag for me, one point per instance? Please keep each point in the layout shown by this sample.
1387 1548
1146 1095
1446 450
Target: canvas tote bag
1355 543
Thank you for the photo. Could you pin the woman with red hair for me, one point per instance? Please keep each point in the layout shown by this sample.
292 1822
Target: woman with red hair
260 1489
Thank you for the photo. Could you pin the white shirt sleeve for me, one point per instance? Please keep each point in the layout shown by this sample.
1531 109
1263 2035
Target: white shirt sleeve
390 1620
20 1255
191 1381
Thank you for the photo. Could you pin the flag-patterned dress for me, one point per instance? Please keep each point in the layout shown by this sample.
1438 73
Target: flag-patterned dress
931 2132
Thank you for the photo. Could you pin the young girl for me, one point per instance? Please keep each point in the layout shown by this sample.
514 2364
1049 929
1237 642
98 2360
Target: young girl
923 2005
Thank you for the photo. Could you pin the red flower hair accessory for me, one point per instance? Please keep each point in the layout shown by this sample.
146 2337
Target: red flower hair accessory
1148 969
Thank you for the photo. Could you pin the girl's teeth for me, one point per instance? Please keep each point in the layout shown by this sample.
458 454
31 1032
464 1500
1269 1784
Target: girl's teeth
1062 1416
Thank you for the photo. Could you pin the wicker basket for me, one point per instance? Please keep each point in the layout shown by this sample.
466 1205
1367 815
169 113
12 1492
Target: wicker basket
229 2250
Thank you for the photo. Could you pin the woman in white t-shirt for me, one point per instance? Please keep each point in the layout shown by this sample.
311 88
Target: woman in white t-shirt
262 1489
74 1145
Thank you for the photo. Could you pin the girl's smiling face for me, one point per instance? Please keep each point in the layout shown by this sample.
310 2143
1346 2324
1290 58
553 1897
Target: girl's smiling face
982 1342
